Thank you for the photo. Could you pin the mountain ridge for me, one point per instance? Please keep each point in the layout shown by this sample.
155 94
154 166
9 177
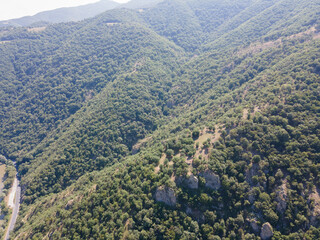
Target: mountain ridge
137 130
65 14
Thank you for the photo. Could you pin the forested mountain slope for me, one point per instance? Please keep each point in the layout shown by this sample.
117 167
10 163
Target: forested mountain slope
184 120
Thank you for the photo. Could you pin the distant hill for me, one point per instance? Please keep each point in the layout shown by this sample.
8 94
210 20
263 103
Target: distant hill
64 14
134 4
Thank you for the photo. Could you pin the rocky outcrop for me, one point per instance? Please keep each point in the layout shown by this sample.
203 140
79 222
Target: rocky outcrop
166 195
281 197
253 170
189 182
196 214
212 179
314 199
192 182
266 231
254 225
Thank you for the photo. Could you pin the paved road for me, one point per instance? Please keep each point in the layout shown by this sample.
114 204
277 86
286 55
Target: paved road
15 210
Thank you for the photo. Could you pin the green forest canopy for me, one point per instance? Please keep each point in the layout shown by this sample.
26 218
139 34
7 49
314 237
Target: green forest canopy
187 120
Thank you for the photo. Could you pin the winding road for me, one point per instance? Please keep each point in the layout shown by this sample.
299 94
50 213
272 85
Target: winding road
13 203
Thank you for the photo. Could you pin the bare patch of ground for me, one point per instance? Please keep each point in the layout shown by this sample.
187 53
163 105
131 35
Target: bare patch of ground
201 151
173 177
244 93
36 29
112 24
245 114
260 46
256 109
2 173
316 36
138 64
162 159
141 143
204 135
126 231
12 194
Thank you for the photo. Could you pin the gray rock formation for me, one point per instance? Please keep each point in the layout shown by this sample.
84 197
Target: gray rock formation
198 215
212 179
314 199
189 182
281 197
254 225
253 170
192 182
266 231
166 195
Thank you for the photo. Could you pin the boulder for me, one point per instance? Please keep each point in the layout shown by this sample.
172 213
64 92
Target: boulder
266 231
166 195
212 179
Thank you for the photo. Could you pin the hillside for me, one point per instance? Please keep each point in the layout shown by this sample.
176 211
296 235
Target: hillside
66 14
179 120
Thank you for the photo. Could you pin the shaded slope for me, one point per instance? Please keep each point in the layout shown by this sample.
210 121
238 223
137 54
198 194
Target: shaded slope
129 106
65 71
121 198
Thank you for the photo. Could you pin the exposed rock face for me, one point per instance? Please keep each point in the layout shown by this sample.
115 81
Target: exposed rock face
251 197
212 179
252 171
189 182
266 231
314 197
282 196
192 182
166 195
254 225
198 215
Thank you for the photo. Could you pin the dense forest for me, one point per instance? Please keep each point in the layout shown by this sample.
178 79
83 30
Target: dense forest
184 119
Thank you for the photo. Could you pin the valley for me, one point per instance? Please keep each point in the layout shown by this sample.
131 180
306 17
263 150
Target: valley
194 119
